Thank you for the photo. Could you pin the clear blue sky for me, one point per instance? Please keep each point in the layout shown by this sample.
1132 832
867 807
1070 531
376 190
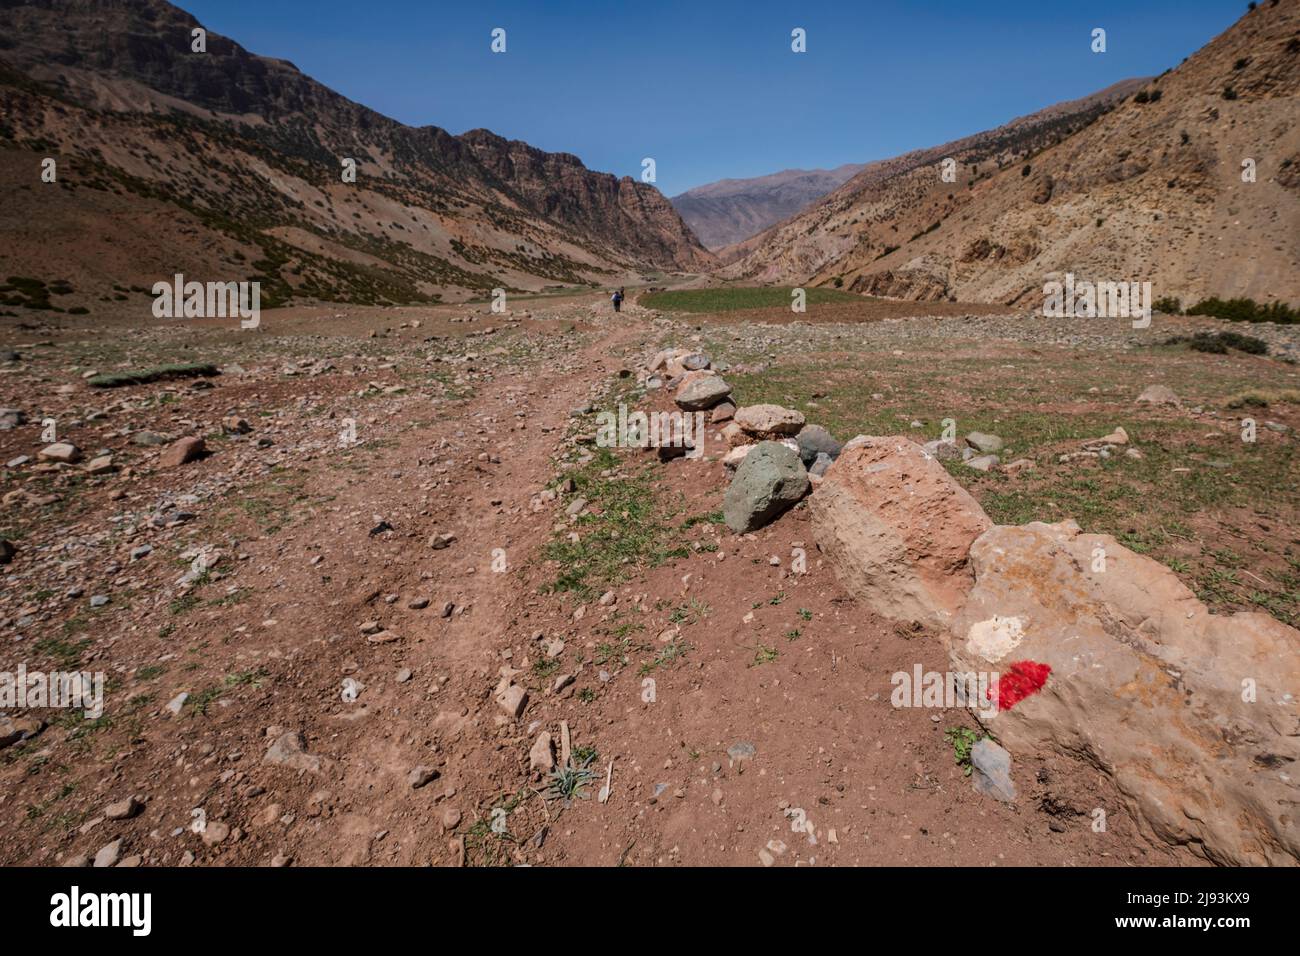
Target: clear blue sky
711 90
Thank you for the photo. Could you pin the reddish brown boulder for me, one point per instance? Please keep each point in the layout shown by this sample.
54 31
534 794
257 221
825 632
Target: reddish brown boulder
181 452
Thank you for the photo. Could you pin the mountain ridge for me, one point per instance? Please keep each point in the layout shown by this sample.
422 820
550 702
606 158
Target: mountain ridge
98 83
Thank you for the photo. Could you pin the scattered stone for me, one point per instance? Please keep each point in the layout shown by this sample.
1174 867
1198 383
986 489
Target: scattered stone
100 465
1158 395
741 751
991 771
512 699
215 833
60 451
107 855
987 444
182 452
15 730
234 425
418 604
815 440
123 809
11 418
769 420
702 393
290 750
7 551
176 703
822 462
442 540
983 462
421 775
542 755
722 412
98 600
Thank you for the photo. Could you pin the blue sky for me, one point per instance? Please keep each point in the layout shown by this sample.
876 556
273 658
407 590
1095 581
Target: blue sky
711 90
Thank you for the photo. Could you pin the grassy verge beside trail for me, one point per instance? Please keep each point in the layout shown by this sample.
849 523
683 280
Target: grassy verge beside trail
741 297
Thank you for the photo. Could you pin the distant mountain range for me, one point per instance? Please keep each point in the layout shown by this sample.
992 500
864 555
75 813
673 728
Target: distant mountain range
227 165
1190 180
729 210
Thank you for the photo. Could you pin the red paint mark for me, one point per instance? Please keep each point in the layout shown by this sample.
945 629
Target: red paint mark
1024 679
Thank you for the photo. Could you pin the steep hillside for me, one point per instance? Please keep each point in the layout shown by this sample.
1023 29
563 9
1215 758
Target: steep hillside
730 210
227 165
1152 191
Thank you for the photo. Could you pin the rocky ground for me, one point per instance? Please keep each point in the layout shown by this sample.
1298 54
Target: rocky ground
374 593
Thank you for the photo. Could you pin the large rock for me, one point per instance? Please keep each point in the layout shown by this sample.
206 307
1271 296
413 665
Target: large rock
815 440
768 481
62 451
1196 716
182 452
768 420
701 392
897 528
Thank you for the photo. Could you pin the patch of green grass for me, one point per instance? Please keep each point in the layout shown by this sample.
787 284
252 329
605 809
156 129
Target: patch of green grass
155 373
625 528
765 655
672 651
739 297
66 653
184 603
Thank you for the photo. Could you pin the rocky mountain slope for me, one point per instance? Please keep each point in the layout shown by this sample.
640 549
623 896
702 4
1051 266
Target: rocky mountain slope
731 210
227 165
1151 190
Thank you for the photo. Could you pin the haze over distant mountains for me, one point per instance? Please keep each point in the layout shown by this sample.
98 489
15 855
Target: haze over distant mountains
227 165
729 210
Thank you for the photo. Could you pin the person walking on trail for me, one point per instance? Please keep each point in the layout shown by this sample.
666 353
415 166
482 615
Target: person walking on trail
617 299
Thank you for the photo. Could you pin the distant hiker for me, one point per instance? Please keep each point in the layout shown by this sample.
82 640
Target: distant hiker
617 299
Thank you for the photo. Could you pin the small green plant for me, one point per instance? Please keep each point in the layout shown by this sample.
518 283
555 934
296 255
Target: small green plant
962 740
765 655
567 782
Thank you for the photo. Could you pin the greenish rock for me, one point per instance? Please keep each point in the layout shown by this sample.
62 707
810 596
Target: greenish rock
769 481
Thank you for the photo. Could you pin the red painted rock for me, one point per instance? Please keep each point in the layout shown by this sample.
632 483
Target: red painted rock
1105 653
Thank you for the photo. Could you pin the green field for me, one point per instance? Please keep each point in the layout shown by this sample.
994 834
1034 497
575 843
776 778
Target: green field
740 297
